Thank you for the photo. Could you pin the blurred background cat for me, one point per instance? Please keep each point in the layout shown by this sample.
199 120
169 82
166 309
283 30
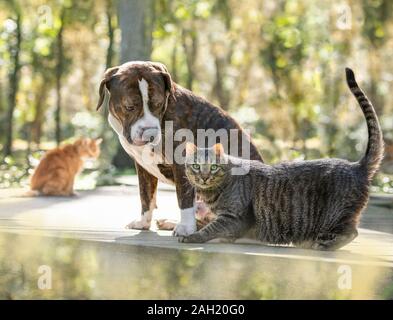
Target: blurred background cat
56 172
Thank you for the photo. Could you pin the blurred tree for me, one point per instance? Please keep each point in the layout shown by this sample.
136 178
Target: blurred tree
286 41
136 20
111 33
188 16
222 53
43 62
14 50
59 71
377 15
333 45
189 40
2 108
69 14
269 63
136 23
110 51
182 21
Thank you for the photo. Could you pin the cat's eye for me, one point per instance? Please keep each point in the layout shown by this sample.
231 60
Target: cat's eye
196 166
213 167
130 108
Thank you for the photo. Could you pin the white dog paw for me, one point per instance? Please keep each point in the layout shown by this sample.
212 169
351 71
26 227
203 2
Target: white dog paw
182 230
139 225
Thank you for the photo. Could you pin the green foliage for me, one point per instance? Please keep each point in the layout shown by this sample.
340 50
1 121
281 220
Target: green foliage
376 17
383 183
12 173
276 66
285 41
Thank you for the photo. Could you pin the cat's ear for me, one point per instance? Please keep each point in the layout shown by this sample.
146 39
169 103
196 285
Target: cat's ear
98 141
218 149
190 148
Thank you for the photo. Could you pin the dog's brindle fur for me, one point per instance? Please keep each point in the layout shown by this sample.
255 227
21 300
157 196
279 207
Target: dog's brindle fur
167 101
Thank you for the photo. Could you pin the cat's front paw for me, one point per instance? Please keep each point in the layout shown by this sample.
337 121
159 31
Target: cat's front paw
193 238
139 225
184 229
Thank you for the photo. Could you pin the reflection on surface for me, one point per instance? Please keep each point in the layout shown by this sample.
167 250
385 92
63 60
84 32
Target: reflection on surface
89 270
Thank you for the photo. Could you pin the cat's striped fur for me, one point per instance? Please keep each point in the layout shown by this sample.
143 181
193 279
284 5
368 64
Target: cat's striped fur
314 204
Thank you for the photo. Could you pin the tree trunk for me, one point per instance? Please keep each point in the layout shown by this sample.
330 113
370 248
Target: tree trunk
136 24
375 75
59 73
136 21
110 49
332 89
111 34
190 46
36 126
110 55
2 109
220 91
14 85
174 62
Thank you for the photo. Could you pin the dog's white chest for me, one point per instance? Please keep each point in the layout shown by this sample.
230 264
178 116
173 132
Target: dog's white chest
141 154
145 158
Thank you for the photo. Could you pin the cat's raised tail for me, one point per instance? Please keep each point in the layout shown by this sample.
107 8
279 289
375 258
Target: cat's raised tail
375 146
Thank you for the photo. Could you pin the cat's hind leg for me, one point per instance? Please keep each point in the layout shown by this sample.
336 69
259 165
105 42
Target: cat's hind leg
342 231
57 186
334 241
49 190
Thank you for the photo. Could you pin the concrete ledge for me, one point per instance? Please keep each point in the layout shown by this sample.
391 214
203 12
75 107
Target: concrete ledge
101 215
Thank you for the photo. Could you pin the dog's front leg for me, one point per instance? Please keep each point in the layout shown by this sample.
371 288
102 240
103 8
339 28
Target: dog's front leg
147 192
186 200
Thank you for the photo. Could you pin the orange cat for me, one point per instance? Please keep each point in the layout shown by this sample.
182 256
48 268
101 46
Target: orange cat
56 171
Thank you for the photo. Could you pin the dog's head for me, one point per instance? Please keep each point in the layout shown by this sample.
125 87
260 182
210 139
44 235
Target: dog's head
139 93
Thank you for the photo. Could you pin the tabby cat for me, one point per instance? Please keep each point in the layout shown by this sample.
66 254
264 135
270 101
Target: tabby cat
311 204
56 171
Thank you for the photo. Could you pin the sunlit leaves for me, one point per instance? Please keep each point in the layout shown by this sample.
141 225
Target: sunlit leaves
290 37
281 65
42 46
182 12
9 26
191 8
376 15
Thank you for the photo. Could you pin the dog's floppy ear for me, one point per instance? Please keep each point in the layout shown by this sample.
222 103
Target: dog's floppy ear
104 85
169 88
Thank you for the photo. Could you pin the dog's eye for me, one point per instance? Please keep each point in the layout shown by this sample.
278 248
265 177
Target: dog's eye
195 166
130 108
